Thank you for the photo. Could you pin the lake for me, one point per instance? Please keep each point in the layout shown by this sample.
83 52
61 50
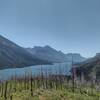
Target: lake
63 68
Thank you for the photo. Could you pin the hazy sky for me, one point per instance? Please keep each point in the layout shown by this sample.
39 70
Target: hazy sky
67 25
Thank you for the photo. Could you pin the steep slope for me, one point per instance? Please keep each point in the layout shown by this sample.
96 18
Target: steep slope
12 55
50 54
90 67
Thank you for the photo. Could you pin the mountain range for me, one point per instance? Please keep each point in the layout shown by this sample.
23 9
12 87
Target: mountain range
50 54
12 55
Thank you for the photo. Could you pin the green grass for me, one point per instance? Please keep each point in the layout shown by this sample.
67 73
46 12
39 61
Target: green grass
36 90
41 94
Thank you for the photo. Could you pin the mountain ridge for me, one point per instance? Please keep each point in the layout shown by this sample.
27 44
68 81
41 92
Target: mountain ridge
53 55
90 66
12 55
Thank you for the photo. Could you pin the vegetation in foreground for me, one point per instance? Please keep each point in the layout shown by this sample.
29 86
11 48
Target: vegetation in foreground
48 87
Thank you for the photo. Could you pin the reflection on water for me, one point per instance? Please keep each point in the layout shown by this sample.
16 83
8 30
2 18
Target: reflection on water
63 68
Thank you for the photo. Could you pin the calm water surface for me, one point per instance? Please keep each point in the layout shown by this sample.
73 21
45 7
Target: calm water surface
63 68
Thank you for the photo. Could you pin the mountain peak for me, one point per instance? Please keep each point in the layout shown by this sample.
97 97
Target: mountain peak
48 47
12 55
53 55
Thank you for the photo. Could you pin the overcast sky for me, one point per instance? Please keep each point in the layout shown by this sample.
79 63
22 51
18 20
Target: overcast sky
67 25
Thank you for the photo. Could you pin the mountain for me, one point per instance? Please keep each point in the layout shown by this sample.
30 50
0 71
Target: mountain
90 67
12 55
50 54
77 58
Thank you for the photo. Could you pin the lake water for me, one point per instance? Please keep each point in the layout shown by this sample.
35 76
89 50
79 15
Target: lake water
56 68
